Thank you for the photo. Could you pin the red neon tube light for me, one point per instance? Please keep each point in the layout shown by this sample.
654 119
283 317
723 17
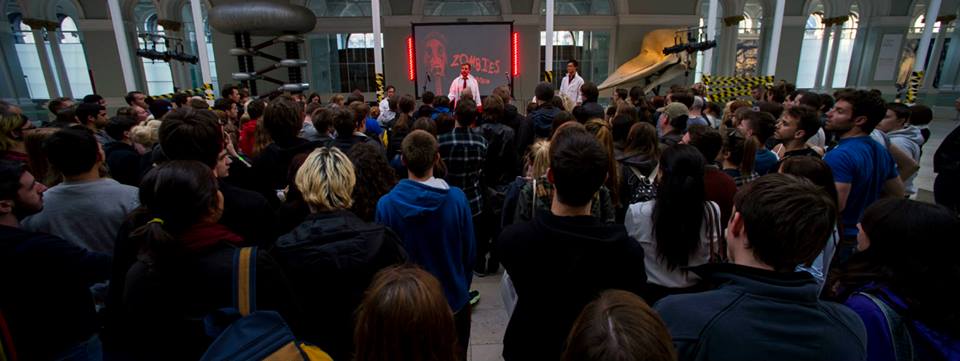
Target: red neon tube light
515 54
411 65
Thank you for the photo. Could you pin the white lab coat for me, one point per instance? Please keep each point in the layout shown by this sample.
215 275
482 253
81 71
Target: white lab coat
571 89
456 87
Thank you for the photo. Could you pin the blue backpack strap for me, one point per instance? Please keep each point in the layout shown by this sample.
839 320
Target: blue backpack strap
245 280
899 333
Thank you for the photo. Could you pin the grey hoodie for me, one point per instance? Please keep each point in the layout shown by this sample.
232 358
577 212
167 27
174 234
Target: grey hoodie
909 140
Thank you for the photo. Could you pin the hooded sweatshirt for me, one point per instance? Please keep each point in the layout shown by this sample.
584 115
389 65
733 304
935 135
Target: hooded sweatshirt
558 265
909 140
436 226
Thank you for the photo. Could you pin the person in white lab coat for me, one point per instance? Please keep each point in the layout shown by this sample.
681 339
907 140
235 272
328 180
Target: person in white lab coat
465 80
570 86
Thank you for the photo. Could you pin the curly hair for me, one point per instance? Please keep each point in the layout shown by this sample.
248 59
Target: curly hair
374 176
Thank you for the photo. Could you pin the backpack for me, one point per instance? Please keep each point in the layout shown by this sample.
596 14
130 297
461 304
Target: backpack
897 327
250 334
644 189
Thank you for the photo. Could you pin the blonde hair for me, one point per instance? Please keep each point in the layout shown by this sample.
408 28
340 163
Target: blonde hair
326 179
9 122
146 134
539 158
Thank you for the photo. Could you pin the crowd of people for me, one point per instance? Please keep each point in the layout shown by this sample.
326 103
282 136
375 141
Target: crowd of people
656 228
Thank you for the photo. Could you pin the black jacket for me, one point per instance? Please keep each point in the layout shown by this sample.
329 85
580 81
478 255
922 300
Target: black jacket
500 164
335 255
345 143
164 306
537 124
45 291
587 111
558 265
947 158
248 214
124 163
757 314
270 168
512 117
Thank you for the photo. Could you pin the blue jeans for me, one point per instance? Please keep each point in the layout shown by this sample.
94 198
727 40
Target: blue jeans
89 350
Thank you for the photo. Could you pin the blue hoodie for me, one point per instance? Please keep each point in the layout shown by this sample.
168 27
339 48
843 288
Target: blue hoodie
437 231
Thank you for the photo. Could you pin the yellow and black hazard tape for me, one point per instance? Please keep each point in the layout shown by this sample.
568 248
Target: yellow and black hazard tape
206 90
548 76
379 87
913 86
723 88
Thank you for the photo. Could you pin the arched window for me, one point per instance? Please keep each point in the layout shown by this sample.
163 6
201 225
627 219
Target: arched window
158 74
340 8
461 8
29 58
810 49
74 58
578 7
848 34
748 39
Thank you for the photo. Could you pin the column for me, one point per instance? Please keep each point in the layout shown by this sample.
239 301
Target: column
934 61
48 74
123 49
774 49
728 50
201 34
930 19
711 35
59 64
548 49
824 49
832 59
14 86
377 48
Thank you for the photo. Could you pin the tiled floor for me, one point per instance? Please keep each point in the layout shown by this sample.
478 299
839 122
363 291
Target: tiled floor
490 318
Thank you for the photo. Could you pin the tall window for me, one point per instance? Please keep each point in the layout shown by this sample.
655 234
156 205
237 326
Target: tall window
342 62
748 39
810 48
848 34
702 33
157 72
461 7
196 78
71 48
28 57
578 7
590 48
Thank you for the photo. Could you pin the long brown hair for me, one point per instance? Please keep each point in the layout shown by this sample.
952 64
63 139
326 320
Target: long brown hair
619 326
604 135
405 317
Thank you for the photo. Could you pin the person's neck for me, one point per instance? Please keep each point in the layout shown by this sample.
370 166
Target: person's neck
562 210
726 164
90 175
421 179
853 132
745 257
92 127
667 129
9 220
794 144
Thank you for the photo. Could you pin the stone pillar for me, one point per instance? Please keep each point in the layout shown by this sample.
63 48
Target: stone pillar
933 63
832 60
59 64
13 86
821 63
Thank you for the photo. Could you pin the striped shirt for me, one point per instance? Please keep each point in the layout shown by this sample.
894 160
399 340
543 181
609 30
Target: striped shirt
463 151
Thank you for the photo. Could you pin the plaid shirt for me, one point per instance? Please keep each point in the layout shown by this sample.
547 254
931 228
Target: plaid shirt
463 151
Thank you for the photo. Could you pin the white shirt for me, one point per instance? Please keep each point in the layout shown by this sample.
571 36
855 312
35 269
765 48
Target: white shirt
385 113
639 224
456 87
571 89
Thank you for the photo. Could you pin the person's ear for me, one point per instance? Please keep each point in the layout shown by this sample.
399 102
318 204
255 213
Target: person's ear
735 225
860 121
550 175
436 158
800 134
403 160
